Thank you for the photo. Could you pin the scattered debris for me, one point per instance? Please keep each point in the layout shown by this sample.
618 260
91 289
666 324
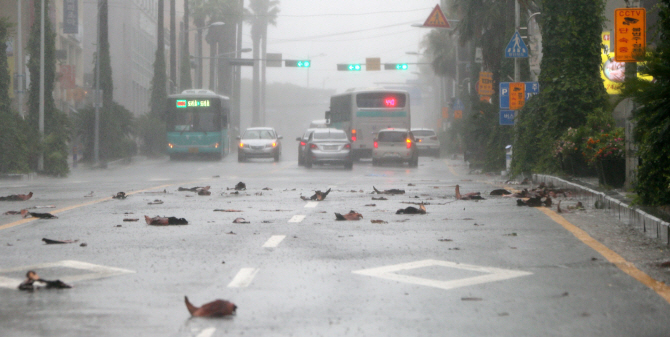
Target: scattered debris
192 189
456 248
352 215
513 182
231 233
371 205
266 221
12 213
32 277
534 202
217 308
500 191
410 184
378 221
510 234
392 191
235 193
445 240
130 220
471 299
89 195
503 314
258 194
118 226
120 195
155 202
227 210
240 220
164 221
578 206
412 210
380 198
56 242
267 189
164 191
26 214
204 192
17 197
403 220
216 176
318 196
467 196
240 186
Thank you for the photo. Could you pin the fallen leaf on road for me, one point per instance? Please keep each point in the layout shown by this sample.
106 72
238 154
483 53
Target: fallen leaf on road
392 191
445 240
130 220
120 195
318 195
193 189
380 198
17 197
12 213
371 205
511 234
217 308
378 221
471 299
155 202
164 221
26 214
467 196
240 220
352 215
240 186
227 210
267 189
412 210
231 233
410 184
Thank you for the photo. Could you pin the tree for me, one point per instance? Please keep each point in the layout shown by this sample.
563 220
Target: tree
13 149
159 81
261 13
185 65
652 117
56 125
570 83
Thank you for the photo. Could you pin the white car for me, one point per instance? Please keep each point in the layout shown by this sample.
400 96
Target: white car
396 145
427 142
261 142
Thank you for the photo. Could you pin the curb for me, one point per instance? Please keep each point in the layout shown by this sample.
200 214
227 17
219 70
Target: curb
646 223
18 176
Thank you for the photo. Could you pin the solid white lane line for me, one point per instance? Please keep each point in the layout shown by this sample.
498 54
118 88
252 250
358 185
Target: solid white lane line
297 218
207 332
274 241
311 204
243 278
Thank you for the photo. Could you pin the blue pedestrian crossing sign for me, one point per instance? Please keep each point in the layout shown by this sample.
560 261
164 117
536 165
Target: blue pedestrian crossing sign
516 47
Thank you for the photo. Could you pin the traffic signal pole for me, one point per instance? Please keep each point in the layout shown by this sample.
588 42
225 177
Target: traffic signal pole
517 75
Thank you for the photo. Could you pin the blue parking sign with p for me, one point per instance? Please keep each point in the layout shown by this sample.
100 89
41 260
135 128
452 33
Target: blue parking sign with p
504 95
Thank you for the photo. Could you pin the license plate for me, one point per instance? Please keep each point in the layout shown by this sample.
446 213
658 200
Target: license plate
193 150
330 147
392 154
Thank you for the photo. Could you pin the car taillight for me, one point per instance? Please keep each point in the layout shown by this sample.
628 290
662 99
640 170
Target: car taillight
433 138
375 144
409 143
303 143
313 146
347 146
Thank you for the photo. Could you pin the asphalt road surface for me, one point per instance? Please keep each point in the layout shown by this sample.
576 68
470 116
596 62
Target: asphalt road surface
466 268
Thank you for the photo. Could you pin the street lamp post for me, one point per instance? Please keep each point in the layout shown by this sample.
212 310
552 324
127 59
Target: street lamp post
198 74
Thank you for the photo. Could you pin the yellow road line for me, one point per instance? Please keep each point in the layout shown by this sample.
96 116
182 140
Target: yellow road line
22 221
659 287
451 169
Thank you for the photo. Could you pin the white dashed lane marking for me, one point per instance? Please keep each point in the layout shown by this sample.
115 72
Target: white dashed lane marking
297 218
274 241
207 332
311 204
243 278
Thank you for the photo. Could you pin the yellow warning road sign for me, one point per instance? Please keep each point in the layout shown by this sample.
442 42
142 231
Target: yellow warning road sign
437 19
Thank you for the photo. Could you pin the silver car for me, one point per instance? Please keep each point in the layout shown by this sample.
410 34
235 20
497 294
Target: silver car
396 145
260 142
328 146
427 142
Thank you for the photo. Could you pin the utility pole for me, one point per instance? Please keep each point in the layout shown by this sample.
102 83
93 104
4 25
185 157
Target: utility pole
40 159
517 14
19 61
173 48
97 97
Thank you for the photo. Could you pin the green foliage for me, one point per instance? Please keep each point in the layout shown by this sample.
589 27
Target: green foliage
115 130
56 126
652 118
570 83
151 132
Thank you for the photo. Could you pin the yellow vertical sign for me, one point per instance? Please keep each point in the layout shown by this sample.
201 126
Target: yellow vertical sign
485 83
630 34
517 95
445 113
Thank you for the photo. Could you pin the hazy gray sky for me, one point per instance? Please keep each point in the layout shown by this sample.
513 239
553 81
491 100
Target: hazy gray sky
345 31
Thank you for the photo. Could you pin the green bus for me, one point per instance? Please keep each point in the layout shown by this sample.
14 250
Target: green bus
197 124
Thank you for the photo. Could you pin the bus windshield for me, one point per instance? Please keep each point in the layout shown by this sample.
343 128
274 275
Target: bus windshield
196 121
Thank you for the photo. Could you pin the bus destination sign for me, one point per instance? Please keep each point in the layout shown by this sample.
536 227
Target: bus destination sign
190 103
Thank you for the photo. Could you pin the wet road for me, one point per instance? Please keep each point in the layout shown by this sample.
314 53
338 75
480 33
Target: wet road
465 268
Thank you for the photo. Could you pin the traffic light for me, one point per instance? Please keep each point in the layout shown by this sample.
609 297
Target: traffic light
297 63
349 67
395 66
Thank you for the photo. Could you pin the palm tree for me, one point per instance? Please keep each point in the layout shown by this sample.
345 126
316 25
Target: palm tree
261 13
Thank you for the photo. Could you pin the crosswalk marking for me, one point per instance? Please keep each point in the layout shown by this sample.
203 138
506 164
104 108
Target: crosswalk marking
297 218
243 278
274 241
207 332
311 204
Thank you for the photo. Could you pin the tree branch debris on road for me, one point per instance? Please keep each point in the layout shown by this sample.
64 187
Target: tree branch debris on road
392 191
17 197
26 214
57 242
412 210
32 277
467 196
120 195
318 195
164 221
216 308
352 215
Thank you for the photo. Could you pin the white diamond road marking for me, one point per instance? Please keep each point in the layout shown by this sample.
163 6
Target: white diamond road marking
297 218
98 271
492 274
274 241
243 278
311 204
207 332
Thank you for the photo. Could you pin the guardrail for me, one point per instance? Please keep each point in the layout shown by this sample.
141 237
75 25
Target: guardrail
648 224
